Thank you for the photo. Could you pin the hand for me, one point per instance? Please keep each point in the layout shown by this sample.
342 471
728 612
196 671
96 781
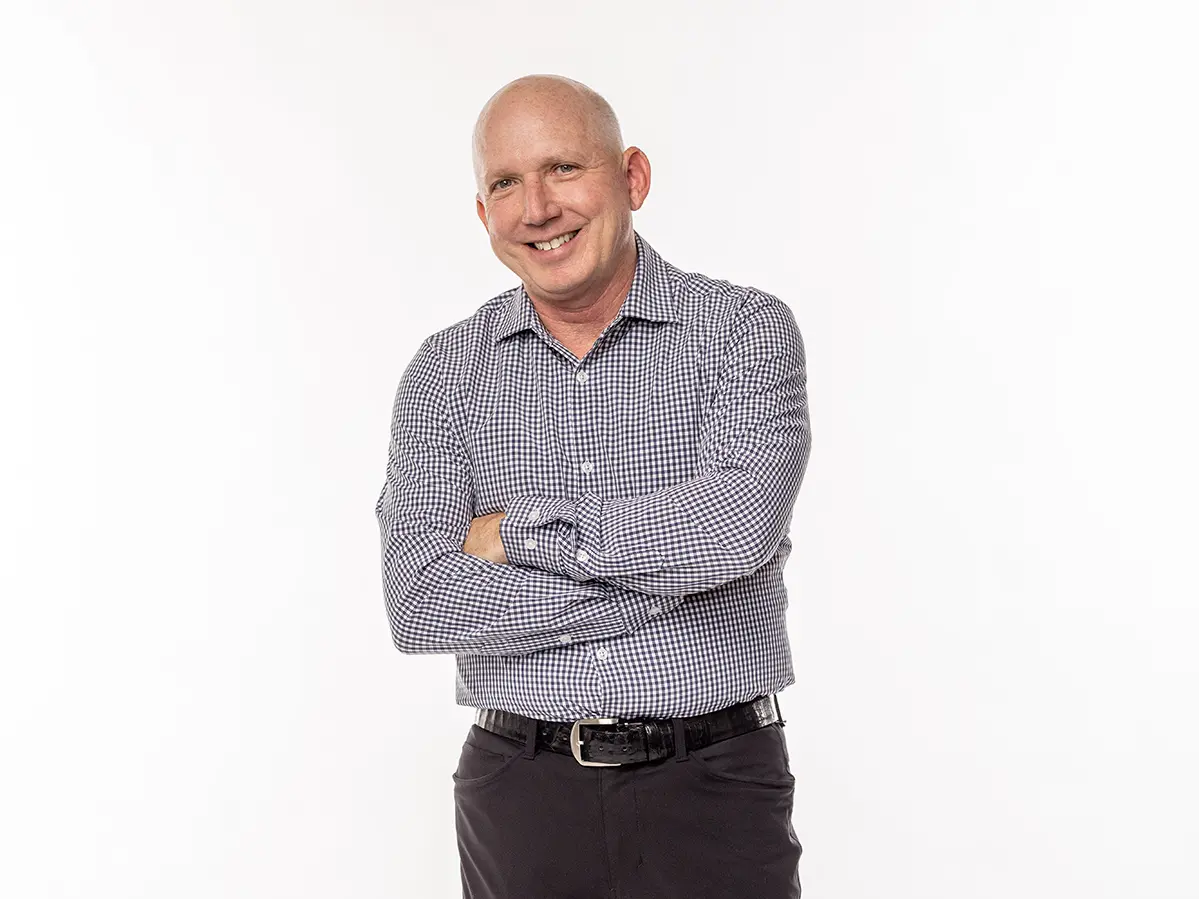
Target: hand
483 539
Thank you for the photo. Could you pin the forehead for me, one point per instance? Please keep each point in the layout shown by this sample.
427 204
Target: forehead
524 136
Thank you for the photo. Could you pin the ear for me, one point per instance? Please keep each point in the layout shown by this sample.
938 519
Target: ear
481 210
637 174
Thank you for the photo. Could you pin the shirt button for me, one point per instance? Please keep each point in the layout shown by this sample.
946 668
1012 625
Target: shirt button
582 555
534 514
601 654
654 610
530 543
587 466
581 377
564 638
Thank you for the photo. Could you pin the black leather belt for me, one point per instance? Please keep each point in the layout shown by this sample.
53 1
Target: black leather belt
604 742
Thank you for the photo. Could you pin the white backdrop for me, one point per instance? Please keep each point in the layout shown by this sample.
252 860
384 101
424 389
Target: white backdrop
226 226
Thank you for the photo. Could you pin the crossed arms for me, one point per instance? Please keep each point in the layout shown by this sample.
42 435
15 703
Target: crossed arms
598 568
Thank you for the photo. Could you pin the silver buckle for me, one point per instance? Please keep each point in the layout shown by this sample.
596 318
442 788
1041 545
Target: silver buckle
576 744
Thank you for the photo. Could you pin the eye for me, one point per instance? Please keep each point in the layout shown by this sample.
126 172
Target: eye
501 184
565 166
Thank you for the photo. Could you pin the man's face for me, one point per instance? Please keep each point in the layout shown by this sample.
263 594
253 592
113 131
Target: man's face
544 177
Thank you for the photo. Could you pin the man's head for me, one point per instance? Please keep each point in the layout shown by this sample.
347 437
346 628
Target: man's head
549 162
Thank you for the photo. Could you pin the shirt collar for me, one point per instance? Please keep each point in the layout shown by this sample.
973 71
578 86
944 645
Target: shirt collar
651 296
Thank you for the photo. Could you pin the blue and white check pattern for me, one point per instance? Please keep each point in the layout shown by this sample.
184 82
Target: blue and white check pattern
648 489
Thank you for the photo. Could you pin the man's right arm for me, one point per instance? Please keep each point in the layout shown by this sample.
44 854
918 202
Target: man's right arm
440 599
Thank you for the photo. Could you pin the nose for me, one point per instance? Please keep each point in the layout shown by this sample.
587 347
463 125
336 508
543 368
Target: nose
540 205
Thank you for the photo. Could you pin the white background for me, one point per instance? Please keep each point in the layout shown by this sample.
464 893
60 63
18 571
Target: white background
226 226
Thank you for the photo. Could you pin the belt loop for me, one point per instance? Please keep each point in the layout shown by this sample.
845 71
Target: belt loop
778 709
680 740
531 739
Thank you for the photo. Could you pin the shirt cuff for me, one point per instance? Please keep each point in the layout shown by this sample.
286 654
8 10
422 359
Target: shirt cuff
535 530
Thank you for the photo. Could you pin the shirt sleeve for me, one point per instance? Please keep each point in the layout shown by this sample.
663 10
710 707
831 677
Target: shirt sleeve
440 599
722 524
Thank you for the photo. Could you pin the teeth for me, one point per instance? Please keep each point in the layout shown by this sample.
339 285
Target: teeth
555 243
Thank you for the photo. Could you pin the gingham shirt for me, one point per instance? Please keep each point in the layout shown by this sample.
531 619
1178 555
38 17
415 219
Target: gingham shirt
648 489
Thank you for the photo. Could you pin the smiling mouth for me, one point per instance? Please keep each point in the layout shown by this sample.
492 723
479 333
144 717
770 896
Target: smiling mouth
555 242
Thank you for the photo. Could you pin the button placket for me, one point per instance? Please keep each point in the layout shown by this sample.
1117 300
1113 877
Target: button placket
579 423
586 404
580 378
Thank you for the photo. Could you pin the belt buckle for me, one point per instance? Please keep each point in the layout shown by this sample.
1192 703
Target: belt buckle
576 744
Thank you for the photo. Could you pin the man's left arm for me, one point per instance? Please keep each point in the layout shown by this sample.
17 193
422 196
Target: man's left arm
724 523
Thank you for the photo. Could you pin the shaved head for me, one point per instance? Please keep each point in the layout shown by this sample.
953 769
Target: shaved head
550 94
556 193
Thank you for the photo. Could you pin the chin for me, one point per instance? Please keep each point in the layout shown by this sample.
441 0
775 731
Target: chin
552 287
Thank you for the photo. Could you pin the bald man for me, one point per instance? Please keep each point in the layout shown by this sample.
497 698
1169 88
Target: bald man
588 495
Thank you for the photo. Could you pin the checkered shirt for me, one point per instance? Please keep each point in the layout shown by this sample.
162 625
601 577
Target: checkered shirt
648 489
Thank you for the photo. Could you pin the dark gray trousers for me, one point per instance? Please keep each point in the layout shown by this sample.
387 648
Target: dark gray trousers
711 824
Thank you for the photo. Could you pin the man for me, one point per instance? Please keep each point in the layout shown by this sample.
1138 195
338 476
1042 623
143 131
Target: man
589 488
